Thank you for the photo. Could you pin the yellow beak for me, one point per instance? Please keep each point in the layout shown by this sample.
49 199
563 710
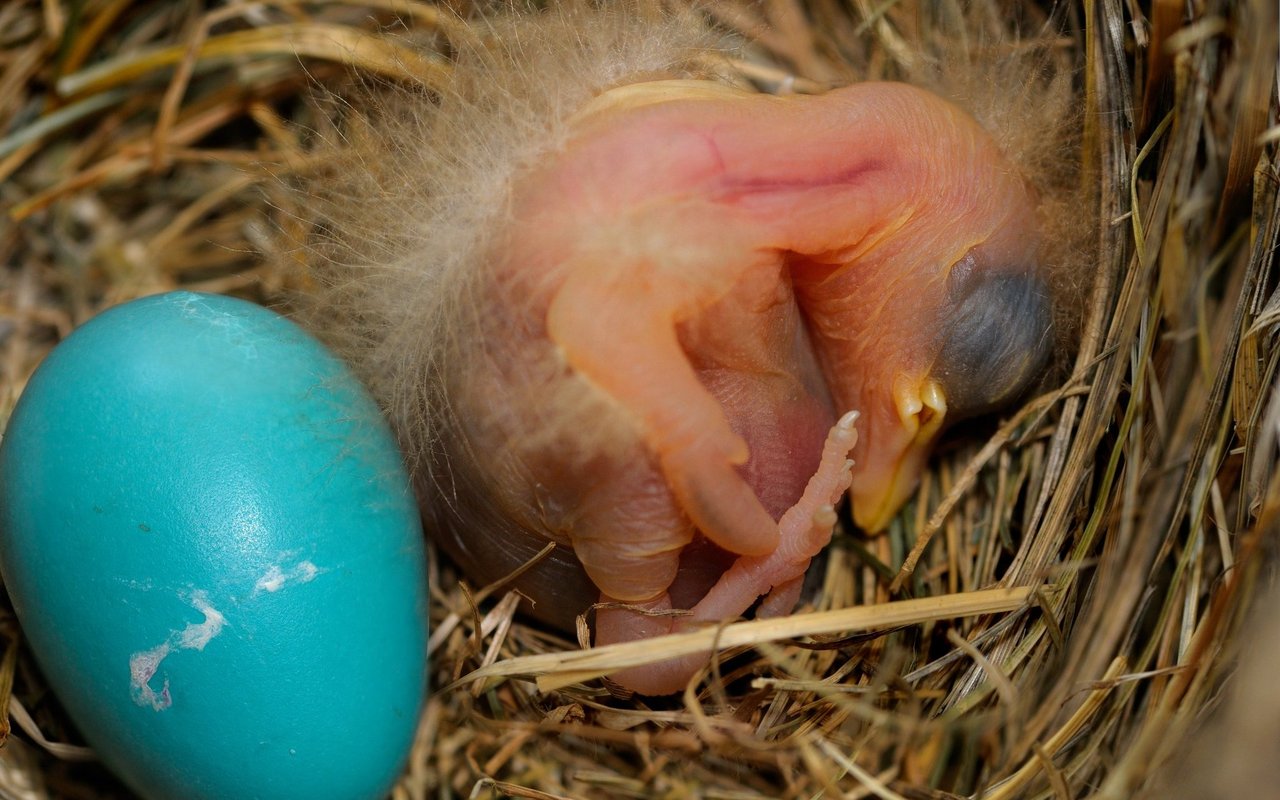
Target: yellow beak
888 477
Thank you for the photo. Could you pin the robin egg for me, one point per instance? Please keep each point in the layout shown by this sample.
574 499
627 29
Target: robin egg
209 539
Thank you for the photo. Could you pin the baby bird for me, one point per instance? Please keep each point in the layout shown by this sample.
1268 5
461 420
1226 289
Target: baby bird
696 317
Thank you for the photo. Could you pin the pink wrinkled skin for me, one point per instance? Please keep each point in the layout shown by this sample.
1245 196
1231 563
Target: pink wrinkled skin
725 276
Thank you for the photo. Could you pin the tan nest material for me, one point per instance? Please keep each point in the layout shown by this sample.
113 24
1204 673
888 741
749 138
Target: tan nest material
1057 611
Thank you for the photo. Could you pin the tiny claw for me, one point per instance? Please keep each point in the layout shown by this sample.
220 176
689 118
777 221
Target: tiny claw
824 518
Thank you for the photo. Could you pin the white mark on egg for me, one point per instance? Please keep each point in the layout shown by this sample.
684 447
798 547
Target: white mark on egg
276 577
198 634
144 664
142 668
231 326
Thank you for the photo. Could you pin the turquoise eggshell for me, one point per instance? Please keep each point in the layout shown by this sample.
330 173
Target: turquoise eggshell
209 538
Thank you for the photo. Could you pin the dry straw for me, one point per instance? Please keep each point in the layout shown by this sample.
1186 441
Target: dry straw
1056 612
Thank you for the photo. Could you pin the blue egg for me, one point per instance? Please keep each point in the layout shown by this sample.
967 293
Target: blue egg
210 541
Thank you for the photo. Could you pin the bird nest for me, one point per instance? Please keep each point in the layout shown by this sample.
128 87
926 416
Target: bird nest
1056 611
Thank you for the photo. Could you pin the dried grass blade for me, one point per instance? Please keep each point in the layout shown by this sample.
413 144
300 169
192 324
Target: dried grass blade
514 790
875 784
556 670
67 752
339 43
57 120
1013 785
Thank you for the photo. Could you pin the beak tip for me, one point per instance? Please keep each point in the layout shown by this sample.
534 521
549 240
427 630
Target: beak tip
878 494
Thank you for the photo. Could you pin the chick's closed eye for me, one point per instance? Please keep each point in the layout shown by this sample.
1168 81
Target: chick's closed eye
996 338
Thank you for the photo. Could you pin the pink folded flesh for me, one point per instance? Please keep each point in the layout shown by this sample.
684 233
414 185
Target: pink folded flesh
725 276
